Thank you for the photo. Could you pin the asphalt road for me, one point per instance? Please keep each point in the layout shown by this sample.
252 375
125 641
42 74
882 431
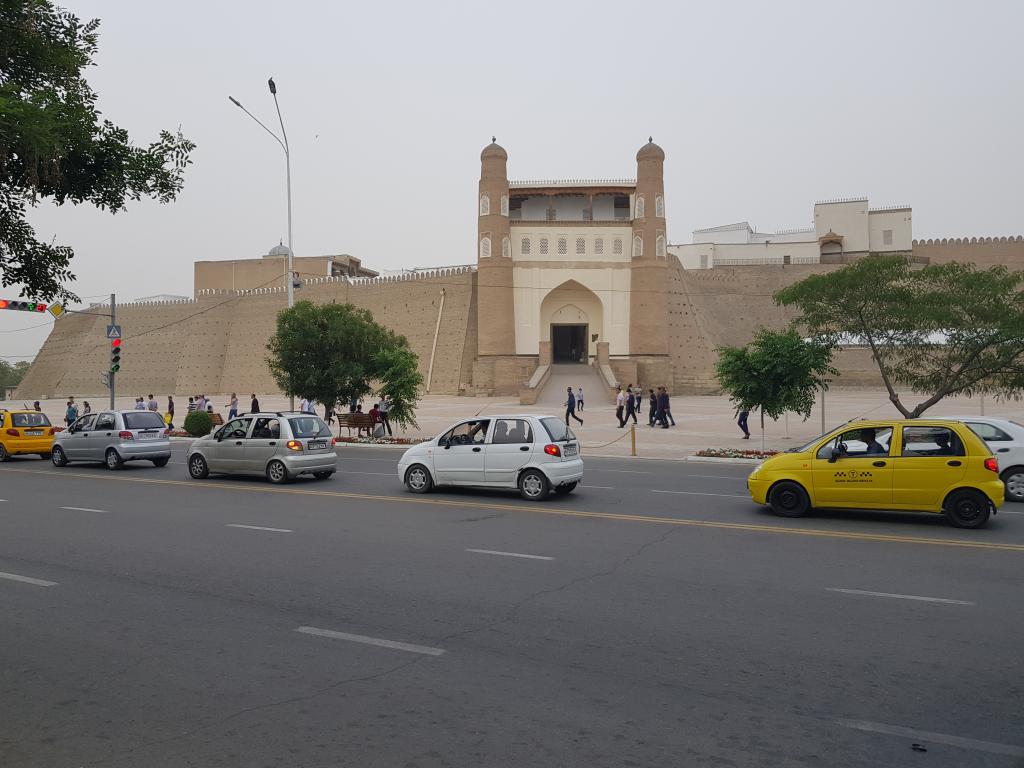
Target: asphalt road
653 618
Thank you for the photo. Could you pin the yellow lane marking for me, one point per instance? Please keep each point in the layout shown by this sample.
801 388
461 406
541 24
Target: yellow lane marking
884 537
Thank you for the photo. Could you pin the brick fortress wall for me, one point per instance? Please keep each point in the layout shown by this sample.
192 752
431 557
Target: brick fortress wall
217 342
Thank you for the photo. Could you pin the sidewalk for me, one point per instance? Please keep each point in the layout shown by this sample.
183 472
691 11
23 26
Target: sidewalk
703 421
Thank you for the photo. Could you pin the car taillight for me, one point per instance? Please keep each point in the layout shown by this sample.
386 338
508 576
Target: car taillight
552 450
167 432
991 464
294 445
125 435
53 430
334 442
13 433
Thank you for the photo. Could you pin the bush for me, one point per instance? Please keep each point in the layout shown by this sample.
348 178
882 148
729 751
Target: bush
198 423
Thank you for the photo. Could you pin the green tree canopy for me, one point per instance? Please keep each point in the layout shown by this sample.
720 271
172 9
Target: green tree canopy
11 375
54 146
944 329
337 352
776 373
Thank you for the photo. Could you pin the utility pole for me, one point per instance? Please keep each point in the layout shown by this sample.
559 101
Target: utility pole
113 321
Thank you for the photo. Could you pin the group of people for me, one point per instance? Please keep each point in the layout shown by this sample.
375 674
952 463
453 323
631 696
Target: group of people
629 403
380 417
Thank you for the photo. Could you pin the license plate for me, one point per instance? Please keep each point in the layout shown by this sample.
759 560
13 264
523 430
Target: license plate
33 432
149 435
570 450
319 445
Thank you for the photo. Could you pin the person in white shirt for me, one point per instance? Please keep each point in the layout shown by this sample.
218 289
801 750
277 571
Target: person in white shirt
152 404
385 409
579 400
140 404
620 405
304 406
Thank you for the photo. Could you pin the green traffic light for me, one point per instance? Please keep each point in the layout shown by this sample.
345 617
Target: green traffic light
115 368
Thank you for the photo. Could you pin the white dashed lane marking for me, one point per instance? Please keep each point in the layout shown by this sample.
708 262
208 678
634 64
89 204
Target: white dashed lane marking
258 528
509 554
28 580
380 642
86 509
898 597
938 738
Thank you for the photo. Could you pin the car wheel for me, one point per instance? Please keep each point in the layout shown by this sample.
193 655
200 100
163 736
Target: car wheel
113 459
198 468
967 508
323 475
4 455
418 480
788 499
161 462
58 458
1013 478
534 485
562 490
277 472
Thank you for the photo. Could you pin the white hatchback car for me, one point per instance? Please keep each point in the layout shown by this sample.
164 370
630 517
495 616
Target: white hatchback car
536 454
1006 439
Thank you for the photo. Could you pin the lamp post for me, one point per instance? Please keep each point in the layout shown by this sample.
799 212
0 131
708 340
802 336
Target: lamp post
290 271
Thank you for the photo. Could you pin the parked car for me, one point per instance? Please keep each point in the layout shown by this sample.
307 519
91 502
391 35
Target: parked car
536 454
1006 440
114 437
25 432
280 446
914 465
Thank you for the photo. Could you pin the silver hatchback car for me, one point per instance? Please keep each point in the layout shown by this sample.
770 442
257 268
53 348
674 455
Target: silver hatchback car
114 437
280 446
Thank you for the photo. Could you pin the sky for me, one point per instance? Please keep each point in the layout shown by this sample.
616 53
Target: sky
762 108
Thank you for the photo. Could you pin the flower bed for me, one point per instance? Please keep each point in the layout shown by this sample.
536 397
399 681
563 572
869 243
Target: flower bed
381 440
734 453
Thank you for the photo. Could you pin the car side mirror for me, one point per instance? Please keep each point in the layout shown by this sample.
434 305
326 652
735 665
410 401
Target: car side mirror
447 443
836 453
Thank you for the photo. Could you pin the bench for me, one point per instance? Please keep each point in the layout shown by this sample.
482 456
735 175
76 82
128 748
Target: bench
218 420
357 421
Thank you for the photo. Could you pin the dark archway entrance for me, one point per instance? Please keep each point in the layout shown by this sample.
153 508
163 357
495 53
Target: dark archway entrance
568 343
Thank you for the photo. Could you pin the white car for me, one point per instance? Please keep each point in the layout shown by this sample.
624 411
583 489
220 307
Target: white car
1006 439
536 454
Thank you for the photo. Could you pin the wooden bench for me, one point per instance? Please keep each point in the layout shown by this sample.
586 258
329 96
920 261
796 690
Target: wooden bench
218 420
358 421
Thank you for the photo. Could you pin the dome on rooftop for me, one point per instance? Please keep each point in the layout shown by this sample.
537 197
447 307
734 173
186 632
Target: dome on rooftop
494 149
650 150
278 250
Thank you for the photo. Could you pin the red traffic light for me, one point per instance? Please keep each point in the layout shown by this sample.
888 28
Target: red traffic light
115 343
24 306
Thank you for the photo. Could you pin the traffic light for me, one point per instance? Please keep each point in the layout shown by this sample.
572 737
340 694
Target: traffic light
23 306
115 355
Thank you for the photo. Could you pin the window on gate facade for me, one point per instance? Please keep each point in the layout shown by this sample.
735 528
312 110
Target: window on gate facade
485 205
639 208
511 432
563 247
859 443
659 247
617 247
543 246
931 441
638 247
599 246
886 237
504 205
524 246
485 247
659 207
581 246
506 247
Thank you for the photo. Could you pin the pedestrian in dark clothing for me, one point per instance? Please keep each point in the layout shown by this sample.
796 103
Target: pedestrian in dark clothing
631 404
664 408
742 422
254 406
652 404
570 406
170 412
620 405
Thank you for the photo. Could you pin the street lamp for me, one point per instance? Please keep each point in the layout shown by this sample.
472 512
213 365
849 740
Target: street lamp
290 272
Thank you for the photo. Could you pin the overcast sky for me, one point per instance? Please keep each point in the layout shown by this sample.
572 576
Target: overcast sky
761 108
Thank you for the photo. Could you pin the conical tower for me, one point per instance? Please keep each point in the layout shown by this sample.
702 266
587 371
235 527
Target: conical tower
648 302
496 322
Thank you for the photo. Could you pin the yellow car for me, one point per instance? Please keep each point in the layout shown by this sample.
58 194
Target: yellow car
912 465
24 432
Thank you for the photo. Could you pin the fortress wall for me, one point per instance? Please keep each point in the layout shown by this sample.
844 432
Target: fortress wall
217 343
983 251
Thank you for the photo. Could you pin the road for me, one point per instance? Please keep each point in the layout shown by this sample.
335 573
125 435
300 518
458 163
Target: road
653 618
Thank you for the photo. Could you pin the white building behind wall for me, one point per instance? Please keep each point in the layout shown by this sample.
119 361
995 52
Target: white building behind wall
842 229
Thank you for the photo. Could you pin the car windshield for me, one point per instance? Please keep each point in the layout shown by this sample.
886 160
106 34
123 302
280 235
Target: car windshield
808 446
309 426
143 420
558 430
30 420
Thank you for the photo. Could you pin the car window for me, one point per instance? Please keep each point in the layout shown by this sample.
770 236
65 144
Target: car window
266 428
989 432
557 429
931 441
863 442
511 431
29 420
468 433
235 428
85 423
143 420
309 426
105 421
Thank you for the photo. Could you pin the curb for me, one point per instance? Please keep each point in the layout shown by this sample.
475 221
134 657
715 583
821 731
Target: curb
717 460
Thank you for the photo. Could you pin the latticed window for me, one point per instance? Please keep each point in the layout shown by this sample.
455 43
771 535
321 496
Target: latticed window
543 246
524 246
617 247
485 247
485 205
638 247
659 207
504 205
581 246
659 247
639 208
506 247
563 246
599 246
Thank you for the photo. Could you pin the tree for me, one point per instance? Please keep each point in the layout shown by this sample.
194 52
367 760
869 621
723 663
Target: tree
53 145
11 375
776 373
944 329
337 352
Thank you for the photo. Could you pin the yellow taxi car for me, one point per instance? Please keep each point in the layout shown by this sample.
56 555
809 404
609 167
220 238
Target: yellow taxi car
910 465
25 432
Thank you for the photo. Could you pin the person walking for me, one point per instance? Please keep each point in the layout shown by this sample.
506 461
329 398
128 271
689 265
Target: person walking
140 404
385 410
579 400
71 414
741 420
652 405
170 411
631 404
303 405
233 406
664 408
254 406
191 404
152 404
570 406
620 405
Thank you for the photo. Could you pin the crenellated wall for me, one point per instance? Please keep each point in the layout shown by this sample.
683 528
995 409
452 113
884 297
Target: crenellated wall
983 251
